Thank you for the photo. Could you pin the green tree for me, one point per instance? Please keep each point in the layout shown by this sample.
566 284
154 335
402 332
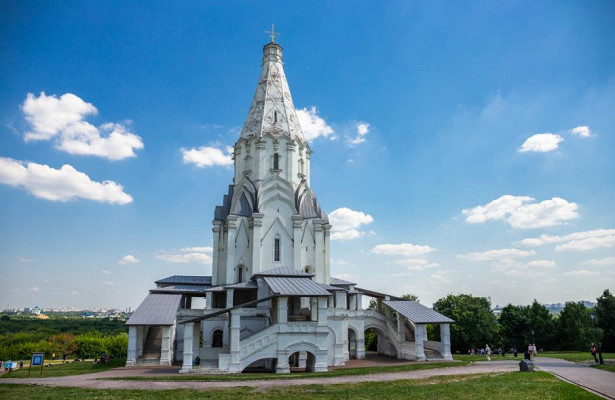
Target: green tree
410 296
605 319
475 323
513 326
63 344
574 327
541 321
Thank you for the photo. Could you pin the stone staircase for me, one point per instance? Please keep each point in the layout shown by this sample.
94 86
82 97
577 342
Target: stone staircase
151 347
432 354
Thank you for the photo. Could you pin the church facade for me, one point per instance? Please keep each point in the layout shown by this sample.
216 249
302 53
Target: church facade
271 302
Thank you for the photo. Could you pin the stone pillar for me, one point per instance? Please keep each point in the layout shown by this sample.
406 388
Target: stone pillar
216 246
282 311
302 362
297 223
340 299
322 311
230 251
387 312
209 296
141 331
359 297
420 334
318 259
257 224
379 301
313 309
445 338
230 294
327 254
133 337
188 345
353 302
235 335
401 331
166 347
282 366
361 345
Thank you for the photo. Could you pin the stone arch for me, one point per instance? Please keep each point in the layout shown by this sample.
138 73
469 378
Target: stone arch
217 338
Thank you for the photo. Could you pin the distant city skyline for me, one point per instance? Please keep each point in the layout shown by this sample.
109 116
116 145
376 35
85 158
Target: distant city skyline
457 148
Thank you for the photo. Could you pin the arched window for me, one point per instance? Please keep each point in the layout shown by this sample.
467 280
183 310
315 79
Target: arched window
217 338
301 166
276 161
275 117
240 273
276 249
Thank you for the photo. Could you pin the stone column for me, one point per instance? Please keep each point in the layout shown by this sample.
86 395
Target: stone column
216 246
359 297
420 334
257 225
166 347
361 345
387 312
313 309
340 299
188 339
401 331
230 251
282 311
282 366
319 258
322 311
379 301
327 254
297 223
235 334
133 337
209 296
230 294
445 338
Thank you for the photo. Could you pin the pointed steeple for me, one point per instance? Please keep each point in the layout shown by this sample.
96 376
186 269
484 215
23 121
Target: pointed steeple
272 110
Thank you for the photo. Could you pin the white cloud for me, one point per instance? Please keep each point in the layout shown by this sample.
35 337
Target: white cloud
500 254
579 241
580 272
541 143
403 249
600 261
34 289
529 269
581 131
521 212
129 259
199 255
64 118
106 272
345 223
347 277
416 264
541 264
62 184
24 259
111 283
362 130
312 125
208 157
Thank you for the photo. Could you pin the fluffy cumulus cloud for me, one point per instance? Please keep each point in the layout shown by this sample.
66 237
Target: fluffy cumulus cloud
312 125
346 222
63 119
520 269
600 261
129 259
541 143
201 255
62 184
416 264
403 249
577 241
500 254
208 157
581 131
580 273
523 212
362 129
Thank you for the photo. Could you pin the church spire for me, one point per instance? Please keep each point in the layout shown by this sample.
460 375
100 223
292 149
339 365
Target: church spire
272 111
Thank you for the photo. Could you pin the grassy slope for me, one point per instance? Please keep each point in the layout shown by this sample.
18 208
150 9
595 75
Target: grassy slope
511 386
605 367
66 369
577 356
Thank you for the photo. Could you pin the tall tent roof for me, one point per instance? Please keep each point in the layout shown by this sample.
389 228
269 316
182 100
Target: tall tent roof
272 110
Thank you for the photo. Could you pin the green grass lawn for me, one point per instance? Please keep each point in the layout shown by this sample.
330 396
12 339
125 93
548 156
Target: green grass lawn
509 386
577 356
298 375
70 368
605 367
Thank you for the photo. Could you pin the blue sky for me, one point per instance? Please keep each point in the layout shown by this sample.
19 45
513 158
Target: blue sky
443 137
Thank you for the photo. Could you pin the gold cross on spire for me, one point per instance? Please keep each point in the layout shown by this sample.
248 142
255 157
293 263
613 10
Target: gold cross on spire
273 33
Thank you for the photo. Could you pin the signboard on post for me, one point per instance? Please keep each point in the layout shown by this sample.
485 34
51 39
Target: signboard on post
36 360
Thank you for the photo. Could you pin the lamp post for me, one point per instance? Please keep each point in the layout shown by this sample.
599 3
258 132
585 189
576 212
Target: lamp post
596 338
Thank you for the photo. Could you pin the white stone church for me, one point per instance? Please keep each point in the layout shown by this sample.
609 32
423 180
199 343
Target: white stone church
271 302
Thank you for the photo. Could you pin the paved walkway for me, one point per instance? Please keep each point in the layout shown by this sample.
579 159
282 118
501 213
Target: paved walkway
92 380
593 379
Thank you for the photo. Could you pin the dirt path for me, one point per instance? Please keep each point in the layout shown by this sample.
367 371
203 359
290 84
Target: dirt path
92 380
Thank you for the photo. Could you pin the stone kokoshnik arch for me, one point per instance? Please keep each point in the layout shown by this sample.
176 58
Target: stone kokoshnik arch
271 301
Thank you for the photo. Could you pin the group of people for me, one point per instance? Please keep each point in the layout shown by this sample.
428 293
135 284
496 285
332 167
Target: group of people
532 350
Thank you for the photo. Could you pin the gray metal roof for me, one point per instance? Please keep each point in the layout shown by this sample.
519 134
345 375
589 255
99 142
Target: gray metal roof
284 271
216 289
333 288
337 281
243 285
156 309
418 313
185 280
181 289
285 286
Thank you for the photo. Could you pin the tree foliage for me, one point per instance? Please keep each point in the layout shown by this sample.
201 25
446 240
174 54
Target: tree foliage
605 319
574 327
475 323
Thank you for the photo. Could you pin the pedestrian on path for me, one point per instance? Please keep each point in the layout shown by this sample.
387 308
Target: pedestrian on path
488 352
594 350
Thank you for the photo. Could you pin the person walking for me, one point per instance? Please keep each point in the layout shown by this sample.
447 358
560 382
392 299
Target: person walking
488 352
593 349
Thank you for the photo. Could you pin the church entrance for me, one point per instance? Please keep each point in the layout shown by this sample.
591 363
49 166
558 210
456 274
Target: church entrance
302 361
